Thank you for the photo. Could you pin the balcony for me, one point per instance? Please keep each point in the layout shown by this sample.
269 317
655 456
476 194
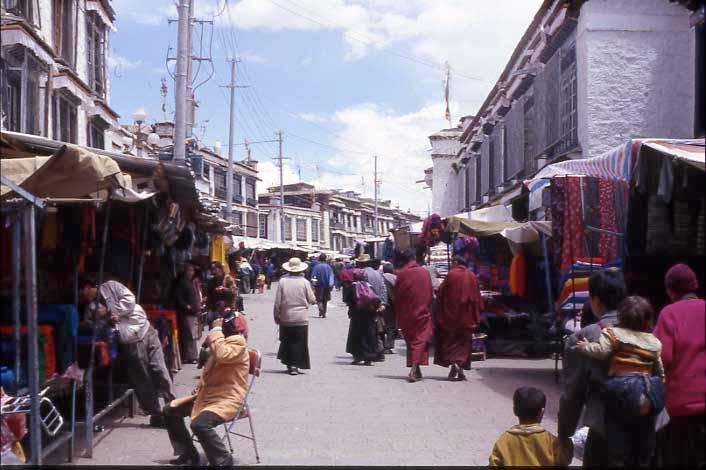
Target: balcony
237 198
338 225
251 201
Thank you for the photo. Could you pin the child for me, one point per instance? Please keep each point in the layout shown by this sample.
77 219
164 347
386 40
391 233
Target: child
261 283
634 390
528 443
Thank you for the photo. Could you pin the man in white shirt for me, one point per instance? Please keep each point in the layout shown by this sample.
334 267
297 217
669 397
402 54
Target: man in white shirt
141 348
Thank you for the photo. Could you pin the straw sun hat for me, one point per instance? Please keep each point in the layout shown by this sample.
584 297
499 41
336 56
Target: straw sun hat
294 265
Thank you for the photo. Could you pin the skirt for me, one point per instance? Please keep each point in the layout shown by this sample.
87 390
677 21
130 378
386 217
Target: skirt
453 348
294 346
362 342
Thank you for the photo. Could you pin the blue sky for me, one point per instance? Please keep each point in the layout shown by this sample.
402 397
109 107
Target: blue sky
343 79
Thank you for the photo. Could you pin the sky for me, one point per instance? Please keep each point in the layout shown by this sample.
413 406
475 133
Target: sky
344 80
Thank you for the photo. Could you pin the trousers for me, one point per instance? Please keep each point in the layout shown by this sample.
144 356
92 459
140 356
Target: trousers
203 427
148 373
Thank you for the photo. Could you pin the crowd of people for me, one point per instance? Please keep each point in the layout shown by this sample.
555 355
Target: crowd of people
637 386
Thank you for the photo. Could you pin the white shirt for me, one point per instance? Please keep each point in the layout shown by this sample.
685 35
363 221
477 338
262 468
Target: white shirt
133 324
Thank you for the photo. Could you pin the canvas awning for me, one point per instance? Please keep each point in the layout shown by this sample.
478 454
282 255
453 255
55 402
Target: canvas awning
70 173
528 232
619 163
478 228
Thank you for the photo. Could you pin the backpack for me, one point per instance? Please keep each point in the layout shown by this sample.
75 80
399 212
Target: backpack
365 296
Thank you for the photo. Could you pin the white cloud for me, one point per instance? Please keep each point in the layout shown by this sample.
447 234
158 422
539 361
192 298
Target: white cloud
148 13
253 57
306 61
268 172
122 64
311 117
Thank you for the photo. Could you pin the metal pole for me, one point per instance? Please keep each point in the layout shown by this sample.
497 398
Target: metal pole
89 371
30 252
190 110
138 294
16 320
375 182
546 273
183 52
231 130
281 188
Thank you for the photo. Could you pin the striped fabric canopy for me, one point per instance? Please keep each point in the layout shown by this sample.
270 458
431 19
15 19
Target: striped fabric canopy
618 163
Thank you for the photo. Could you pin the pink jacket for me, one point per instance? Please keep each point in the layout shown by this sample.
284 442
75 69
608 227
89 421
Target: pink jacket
680 328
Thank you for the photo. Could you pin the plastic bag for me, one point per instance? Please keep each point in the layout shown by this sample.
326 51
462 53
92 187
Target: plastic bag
579 441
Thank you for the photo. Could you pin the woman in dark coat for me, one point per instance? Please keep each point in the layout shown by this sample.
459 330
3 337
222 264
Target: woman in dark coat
188 305
362 333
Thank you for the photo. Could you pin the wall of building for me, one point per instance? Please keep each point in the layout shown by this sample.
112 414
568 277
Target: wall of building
447 186
635 72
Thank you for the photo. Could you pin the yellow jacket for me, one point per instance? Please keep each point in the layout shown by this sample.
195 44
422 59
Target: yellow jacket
224 380
529 445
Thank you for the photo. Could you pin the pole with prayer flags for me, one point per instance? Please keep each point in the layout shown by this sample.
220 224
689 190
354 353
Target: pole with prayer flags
447 84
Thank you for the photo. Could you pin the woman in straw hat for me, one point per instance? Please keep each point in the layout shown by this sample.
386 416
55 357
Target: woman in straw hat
291 312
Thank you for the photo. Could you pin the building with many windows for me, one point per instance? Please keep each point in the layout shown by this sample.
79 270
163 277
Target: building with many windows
326 219
53 71
586 76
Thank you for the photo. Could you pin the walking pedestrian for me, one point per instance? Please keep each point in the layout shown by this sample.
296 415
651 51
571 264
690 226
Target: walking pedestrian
413 296
245 272
634 390
362 341
215 400
188 307
390 334
322 279
291 313
680 328
141 349
377 282
583 377
254 274
457 316
337 269
269 273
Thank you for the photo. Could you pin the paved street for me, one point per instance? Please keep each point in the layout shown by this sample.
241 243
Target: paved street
340 414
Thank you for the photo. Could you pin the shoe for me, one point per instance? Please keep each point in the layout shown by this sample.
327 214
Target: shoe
418 373
356 362
453 373
157 421
411 378
368 363
388 351
293 371
186 459
461 376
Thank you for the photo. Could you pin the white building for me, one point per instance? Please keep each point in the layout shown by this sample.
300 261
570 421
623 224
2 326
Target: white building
586 76
446 177
53 71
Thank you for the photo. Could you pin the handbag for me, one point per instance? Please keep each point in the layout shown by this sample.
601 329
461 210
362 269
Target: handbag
365 296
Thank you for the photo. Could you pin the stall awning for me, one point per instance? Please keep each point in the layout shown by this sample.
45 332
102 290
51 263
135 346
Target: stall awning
70 173
528 232
478 228
618 163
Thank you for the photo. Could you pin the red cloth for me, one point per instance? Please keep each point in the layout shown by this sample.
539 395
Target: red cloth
518 275
413 296
680 328
457 317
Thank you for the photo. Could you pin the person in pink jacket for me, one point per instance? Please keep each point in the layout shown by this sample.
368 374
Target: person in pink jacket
681 328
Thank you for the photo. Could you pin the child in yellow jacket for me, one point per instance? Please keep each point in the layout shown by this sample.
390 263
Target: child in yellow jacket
528 444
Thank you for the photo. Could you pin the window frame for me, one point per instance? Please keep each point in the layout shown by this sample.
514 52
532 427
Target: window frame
65 113
262 225
288 228
94 128
65 35
96 38
300 222
22 93
315 233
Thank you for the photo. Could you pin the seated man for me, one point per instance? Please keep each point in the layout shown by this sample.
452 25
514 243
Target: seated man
215 400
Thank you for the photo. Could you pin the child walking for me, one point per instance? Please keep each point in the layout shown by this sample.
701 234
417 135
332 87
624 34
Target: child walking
634 390
261 278
528 444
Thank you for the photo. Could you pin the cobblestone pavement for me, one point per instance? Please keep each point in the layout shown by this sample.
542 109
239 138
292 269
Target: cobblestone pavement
341 414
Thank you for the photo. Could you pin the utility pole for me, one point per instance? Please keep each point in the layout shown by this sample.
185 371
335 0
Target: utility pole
376 182
189 77
231 131
182 66
281 159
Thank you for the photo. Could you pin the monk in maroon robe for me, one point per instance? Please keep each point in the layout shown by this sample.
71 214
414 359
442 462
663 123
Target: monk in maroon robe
413 296
458 315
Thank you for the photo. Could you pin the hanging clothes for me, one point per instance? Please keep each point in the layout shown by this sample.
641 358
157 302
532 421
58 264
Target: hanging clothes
518 275
218 252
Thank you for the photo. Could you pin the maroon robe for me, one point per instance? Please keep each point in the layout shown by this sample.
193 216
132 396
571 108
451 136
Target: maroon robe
458 315
413 296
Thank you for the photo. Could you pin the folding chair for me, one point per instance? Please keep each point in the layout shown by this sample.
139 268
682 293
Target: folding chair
244 410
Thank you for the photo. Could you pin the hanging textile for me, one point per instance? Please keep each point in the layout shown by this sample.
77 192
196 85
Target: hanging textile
218 252
518 275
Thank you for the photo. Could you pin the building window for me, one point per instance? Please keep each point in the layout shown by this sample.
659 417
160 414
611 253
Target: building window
96 132
219 176
96 32
65 117
252 225
65 16
206 171
301 230
262 225
287 227
314 230
250 188
24 9
22 97
237 188
569 100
